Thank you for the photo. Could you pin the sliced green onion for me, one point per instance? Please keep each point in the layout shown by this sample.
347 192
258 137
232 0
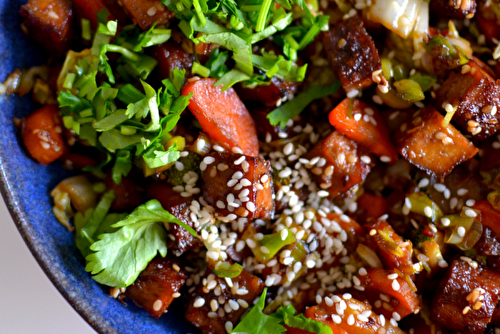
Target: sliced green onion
86 30
69 80
200 69
369 256
271 244
387 68
86 113
423 205
68 122
226 269
409 90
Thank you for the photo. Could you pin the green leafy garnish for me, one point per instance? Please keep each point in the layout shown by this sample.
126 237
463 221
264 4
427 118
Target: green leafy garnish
256 322
120 256
118 118
281 115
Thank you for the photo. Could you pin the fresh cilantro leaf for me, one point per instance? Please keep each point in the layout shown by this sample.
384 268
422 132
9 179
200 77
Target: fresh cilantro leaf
114 140
281 115
287 313
230 78
158 157
111 121
256 322
120 256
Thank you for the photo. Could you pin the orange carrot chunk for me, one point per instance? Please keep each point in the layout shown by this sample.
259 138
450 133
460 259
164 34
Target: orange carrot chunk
42 135
365 126
223 116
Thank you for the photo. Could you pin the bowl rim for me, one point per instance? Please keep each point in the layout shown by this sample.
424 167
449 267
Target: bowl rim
96 321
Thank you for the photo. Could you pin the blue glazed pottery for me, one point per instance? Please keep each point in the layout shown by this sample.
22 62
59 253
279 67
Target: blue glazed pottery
25 186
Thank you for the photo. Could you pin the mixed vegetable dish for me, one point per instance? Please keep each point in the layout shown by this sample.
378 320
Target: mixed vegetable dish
277 166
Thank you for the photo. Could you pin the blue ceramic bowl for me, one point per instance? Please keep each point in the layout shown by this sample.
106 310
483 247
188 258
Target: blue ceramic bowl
25 186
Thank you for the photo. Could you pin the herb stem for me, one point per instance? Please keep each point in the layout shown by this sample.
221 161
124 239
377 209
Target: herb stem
264 10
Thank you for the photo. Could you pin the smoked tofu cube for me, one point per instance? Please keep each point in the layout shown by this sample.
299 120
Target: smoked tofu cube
430 146
157 285
476 95
49 23
466 299
238 185
146 12
352 53
344 164
214 303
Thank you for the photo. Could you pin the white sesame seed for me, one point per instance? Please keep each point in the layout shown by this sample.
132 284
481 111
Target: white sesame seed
350 320
237 150
228 326
470 213
396 316
462 191
461 231
157 305
428 211
395 285
208 160
439 187
336 318
362 318
470 202
393 276
199 302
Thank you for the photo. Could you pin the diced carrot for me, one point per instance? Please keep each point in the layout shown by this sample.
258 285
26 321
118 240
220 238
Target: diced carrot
393 251
345 158
42 135
223 116
372 206
430 146
403 300
147 12
489 216
372 133
49 22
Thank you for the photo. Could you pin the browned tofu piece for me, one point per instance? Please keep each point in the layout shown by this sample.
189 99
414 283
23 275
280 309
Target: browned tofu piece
458 9
393 251
466 298
155 287
146 12
477 96
351 53
179 206
170 55
230 302
268 95
346 166
49 23
238 184
430 146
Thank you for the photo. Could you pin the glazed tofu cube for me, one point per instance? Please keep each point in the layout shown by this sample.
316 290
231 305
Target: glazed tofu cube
238 185
212 305
268 95
179 206
146 12
157 286
49 23
430 146
169 56
352 53
344 164
476 95
466 298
